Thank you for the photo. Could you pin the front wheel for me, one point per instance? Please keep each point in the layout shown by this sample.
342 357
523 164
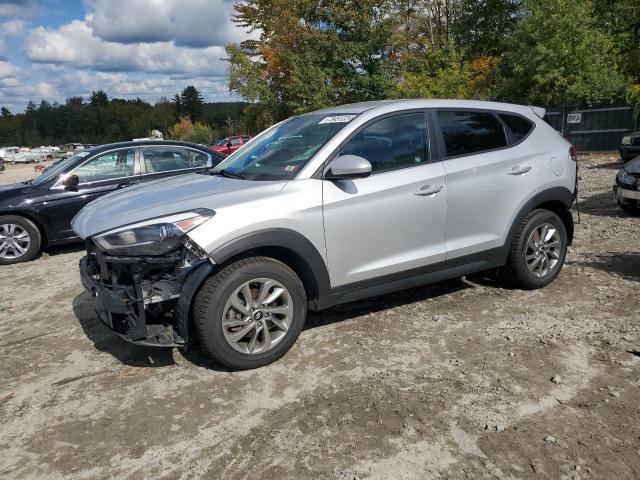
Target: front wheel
20 239
537 251
250 313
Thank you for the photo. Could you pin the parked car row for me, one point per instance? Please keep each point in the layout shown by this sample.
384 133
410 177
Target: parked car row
38 212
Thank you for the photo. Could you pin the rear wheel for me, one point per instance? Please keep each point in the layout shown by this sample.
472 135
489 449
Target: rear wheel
20 239
537 251
250 313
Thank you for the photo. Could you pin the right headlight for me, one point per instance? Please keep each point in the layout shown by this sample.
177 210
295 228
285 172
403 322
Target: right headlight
626 141
152 237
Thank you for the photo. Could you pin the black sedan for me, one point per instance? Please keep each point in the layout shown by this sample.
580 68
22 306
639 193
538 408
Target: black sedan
38 212
627 187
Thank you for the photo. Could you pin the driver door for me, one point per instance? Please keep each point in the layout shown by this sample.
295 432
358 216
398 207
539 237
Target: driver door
97 176
394 220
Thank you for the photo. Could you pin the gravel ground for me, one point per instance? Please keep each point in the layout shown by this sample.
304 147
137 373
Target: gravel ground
461 379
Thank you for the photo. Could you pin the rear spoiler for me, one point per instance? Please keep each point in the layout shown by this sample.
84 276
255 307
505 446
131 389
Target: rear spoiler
539 111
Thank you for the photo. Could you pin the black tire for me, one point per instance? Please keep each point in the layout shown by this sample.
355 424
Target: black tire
516 271
631 209
210 302
35 238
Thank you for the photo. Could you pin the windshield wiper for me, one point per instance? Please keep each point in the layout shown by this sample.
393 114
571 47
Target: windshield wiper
27 182
227 174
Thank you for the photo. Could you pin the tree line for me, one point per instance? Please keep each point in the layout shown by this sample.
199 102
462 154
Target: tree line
312 54
315 53
100 119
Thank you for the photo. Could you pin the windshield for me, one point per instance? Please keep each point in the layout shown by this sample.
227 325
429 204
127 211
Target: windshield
58 168
283 150
224 141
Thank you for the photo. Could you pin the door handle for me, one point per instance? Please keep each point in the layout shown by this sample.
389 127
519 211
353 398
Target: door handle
519 169
428 190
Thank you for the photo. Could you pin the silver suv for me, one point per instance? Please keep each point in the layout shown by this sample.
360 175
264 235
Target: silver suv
327 208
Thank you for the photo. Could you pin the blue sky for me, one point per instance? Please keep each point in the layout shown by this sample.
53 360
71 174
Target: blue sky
54 49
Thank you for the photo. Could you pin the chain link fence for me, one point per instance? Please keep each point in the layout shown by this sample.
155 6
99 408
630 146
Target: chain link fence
593 129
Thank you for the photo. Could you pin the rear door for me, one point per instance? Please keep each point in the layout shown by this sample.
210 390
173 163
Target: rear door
393 220
160 161
98 175
489 178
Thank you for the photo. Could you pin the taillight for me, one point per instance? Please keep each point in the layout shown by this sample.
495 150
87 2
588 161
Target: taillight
573 153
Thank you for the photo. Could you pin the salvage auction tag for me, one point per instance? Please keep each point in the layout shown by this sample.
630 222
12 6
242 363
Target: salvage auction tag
337 119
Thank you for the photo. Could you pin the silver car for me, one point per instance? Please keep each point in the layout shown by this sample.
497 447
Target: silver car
326 208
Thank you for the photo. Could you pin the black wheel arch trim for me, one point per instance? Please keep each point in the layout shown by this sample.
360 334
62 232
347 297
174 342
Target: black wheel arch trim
314 266
561 195
188 294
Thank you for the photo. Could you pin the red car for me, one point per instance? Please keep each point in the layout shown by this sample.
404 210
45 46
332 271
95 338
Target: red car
228 145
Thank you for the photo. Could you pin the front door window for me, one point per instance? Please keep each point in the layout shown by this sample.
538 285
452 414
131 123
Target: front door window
108 166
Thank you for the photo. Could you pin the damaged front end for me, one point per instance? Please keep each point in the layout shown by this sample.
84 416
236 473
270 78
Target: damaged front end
145 297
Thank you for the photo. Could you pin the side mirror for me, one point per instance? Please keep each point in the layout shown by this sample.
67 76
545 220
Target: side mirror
71 182
229 145
348 167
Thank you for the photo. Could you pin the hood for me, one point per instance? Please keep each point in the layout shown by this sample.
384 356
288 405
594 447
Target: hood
15 194
633 166
165 197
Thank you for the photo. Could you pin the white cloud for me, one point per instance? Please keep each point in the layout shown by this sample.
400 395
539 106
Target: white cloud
17 8
12 27
191 23
74 44
7 70
61 82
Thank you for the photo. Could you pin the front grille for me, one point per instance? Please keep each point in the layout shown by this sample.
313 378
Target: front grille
635 141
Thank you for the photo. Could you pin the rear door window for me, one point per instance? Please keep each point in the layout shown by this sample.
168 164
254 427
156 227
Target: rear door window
470 132
519 126
167 159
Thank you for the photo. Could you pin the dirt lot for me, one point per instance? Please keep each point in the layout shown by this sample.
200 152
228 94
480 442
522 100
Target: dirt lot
447 381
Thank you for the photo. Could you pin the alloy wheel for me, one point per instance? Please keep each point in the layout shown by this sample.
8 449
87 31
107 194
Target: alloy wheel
14 241
543 250
257 316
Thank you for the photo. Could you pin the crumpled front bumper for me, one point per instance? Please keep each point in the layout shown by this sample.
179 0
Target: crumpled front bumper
139 297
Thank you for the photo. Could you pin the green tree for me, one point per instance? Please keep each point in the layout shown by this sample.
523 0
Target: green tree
5 112
191 102
484 26
559 54
177 106
312 55
202 133
98 99
621 18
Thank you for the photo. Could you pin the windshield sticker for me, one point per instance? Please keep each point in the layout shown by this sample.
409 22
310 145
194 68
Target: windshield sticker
337 119
290 168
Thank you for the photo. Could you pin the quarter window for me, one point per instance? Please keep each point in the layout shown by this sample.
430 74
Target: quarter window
167 159
519 126
392 143
111 165
470 132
